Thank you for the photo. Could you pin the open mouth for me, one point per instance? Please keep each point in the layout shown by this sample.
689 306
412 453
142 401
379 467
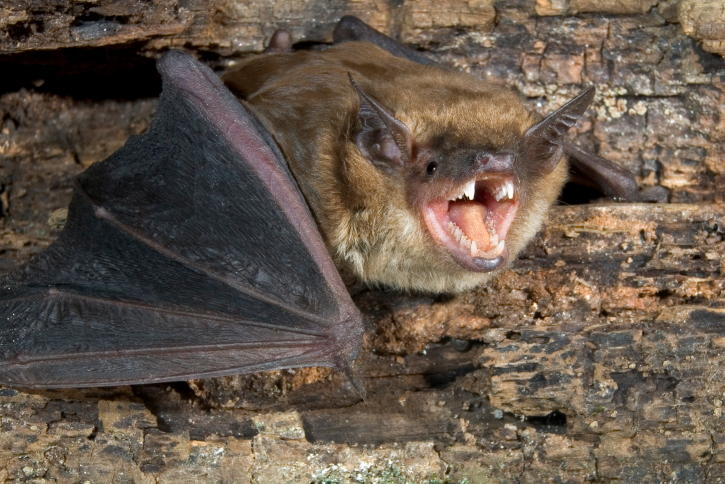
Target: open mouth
472 221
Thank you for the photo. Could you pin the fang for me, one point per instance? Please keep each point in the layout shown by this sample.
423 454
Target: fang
470 190
510 189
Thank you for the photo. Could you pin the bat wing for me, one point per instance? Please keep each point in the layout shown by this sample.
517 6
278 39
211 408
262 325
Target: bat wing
188 253
610 178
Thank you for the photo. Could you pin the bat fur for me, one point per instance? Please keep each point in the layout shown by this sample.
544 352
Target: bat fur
369 217
191 253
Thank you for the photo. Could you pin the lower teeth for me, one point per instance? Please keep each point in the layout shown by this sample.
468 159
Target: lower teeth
495 249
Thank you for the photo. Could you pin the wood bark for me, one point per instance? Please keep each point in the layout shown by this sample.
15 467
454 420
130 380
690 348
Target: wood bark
596 357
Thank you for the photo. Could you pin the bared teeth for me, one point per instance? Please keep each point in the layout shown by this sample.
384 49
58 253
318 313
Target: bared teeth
510 189
467 243
492 235
500 247
500 190
495 252
470 189
460 237
503 190
456 197
493 238
469 192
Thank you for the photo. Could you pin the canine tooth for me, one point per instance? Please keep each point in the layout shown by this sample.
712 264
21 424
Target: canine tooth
493 239
500 247
470 189
510 188
496 251
474 249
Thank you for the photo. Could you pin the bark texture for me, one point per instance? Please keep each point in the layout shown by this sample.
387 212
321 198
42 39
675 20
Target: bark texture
596 357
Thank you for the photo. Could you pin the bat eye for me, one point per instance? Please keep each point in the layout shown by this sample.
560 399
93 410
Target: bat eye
432 167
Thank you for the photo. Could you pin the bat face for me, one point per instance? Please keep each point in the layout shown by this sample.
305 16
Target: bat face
419 178
468 198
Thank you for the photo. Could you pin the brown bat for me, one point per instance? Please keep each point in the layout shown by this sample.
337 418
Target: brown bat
419 177
191 253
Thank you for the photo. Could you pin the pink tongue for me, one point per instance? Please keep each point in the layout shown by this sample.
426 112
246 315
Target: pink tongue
469 217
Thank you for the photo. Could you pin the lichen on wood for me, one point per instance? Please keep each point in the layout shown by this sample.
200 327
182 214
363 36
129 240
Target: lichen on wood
595 357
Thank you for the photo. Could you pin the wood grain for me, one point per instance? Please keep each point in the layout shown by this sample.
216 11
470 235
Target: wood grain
595 357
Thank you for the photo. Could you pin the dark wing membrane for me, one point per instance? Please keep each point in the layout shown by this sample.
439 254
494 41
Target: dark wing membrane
613 180
188 253
351 28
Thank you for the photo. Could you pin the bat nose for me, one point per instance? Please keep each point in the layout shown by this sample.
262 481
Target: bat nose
495 162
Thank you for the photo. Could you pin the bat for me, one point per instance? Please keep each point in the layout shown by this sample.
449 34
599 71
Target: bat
419 177
587 168
191 252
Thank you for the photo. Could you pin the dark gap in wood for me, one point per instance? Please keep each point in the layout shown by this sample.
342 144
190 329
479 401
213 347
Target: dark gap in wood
94 20
553 423
113 72
443 379
309 45
575 194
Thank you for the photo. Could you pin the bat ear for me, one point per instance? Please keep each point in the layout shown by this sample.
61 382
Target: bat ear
544 141
383 140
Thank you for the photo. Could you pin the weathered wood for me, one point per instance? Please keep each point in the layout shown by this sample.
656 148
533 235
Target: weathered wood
230 27
595 360
597 356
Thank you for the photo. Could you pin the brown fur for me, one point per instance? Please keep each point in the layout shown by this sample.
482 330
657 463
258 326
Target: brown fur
366 219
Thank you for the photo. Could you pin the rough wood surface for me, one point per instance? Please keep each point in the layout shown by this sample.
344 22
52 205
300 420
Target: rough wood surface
596 357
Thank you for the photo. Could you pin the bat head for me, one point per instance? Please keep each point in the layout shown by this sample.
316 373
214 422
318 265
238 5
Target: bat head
480 196
418 177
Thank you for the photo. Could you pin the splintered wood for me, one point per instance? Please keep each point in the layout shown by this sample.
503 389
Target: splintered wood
598 356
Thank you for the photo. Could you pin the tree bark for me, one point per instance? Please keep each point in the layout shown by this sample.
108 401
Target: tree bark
596 357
